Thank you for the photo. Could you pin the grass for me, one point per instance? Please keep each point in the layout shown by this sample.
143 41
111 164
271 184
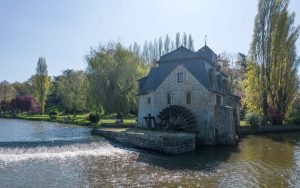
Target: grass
244 123
78 119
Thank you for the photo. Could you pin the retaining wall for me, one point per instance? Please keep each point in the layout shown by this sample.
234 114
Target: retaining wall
166 142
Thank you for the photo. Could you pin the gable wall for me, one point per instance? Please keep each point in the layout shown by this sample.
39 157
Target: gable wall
202 102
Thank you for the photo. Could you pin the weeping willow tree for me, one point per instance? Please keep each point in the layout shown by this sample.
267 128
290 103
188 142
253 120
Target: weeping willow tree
112 75
271 81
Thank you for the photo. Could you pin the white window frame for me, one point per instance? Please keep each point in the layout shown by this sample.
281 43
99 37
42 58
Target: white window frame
180 77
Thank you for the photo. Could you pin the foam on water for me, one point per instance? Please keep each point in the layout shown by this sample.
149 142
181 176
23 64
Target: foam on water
10 155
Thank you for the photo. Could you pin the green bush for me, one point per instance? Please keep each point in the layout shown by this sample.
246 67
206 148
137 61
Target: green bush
293 119
254 120
53 114
94 117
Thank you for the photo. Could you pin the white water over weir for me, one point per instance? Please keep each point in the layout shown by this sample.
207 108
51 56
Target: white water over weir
9 155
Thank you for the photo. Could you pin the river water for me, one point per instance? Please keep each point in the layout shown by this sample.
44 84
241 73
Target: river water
43 154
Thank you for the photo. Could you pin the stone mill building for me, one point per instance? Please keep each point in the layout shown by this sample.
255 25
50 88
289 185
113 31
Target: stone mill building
187 91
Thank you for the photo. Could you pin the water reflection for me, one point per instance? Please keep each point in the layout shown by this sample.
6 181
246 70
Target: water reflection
258 161
205 158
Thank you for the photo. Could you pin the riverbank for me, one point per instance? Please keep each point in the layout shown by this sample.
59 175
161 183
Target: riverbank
71 119
269 129
71 157
161 141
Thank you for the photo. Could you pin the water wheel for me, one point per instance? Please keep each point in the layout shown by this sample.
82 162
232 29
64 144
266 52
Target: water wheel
177 118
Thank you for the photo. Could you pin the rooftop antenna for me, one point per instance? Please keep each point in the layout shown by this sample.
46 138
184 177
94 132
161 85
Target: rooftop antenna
205 39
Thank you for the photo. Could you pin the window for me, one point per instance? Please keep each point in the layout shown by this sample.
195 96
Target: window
218 99
188 98
149 100
169 99
180 77
219 82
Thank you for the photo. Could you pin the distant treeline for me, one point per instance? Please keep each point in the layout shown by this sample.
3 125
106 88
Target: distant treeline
151 51
109 83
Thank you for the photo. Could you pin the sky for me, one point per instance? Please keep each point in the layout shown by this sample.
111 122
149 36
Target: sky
63 31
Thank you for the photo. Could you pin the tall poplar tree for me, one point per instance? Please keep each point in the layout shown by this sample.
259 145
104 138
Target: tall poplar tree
184 40
273 54
191 43
41 83
167 44
177 40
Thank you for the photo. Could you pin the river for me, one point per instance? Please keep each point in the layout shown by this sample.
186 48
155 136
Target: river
44 154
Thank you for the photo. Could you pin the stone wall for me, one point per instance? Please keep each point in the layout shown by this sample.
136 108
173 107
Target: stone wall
225 125
202 102
144 109
166 142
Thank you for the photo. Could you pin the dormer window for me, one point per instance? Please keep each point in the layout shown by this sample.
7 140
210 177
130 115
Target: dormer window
179 77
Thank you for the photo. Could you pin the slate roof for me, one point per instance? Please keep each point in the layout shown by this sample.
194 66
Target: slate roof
207 53
195 62
178 54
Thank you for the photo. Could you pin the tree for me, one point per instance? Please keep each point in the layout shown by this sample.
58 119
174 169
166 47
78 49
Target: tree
41 83
7 91
167 44
172 46
160 47
54 99
273 53
136 49
191 43
23 89
177 40
252 89
111 79
22 104
70 90
4 107
184 40
233 65
145 53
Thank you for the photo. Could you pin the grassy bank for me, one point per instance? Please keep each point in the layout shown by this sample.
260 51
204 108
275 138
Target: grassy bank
244 123
78 119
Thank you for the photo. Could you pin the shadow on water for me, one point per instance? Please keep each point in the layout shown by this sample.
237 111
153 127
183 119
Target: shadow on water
204 158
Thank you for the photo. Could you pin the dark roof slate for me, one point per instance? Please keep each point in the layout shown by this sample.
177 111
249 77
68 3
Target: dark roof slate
178 54
207 53
195 62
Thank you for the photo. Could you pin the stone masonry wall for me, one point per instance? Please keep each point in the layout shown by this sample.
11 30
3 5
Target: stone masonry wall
144 109
166 142
225 125
202 105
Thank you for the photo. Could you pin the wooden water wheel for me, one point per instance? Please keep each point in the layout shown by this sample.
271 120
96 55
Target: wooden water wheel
177 118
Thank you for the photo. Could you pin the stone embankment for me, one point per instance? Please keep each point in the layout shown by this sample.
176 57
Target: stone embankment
165 142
